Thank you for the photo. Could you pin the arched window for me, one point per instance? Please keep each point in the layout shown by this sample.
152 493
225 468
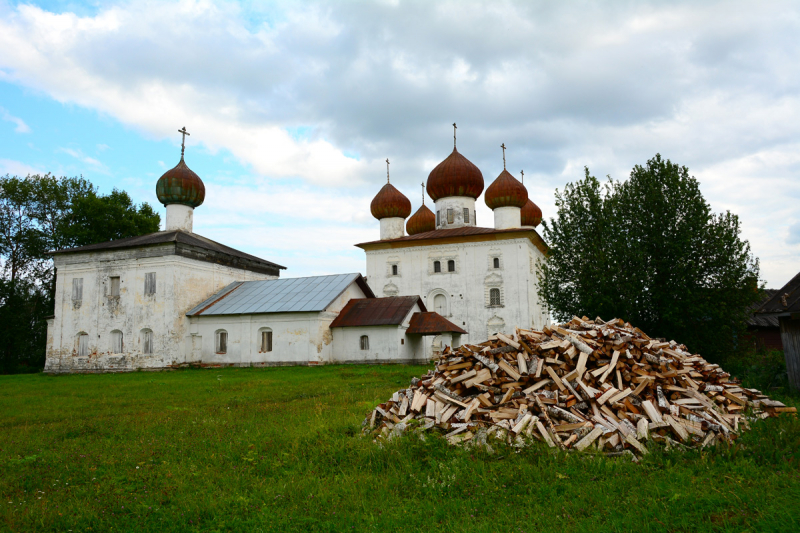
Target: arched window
437 266
451 265
265 340
221 341
116 341
83 344
364 342
147 341
394 270
496 262
494 296
440 304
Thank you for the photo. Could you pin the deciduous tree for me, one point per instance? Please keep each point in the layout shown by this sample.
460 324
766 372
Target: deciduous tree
650 250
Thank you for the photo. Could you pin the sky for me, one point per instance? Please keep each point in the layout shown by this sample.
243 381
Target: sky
293 107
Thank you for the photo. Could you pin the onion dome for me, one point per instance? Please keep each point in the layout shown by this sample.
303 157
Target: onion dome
181 185
389 202
455 176
531 214
421 221
506 191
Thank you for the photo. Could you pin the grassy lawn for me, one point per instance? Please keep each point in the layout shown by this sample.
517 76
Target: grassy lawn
279 450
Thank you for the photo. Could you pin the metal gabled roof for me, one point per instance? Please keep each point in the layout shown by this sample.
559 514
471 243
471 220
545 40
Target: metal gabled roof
388 311
288 295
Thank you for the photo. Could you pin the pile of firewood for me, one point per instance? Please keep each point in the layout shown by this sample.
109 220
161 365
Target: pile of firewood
584 384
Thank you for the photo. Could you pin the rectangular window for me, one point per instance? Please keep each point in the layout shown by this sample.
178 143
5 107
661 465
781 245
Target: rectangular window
438 218
466 215
77 289
150 283
266 341
474 218
451 266
449 216
83 345
116 342
364 342
437 266
394 270
147 342
114 285
222 342
494 296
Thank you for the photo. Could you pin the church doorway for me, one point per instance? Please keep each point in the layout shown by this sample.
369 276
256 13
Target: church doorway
440 304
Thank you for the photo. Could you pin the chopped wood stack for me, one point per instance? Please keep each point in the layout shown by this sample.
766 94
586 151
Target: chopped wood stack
584 384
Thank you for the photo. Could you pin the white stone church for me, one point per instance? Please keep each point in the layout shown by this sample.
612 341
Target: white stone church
175 297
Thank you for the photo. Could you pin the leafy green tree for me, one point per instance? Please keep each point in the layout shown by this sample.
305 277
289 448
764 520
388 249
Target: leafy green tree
650 251
39 214
96 218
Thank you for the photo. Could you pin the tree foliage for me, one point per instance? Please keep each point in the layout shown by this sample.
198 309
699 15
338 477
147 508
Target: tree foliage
650 251
39 214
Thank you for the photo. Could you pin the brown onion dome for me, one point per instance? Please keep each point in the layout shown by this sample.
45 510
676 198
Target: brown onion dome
455 176
506 191
421 221
181 185
389 202
531 214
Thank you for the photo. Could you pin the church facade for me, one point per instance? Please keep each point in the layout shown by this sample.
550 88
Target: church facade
482 279
175 297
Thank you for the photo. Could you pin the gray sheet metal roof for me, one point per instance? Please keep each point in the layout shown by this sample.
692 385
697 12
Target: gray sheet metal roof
288 295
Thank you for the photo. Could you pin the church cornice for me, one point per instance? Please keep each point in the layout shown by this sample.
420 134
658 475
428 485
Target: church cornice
464 240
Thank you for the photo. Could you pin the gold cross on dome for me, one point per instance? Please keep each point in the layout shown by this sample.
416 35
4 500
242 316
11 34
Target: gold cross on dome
454 134
503 146
184 133
387 170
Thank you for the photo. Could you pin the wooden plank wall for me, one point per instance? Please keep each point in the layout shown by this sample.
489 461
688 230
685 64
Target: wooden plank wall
790 335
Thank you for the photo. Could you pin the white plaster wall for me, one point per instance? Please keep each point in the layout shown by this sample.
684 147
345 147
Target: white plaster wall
467 289
181 283
179 217
386 344
392 228
507 217
457 204
297 338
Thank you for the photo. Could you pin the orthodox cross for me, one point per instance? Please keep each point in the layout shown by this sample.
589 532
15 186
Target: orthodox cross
454 134
387 170
503 146
183 139
523 176
423 192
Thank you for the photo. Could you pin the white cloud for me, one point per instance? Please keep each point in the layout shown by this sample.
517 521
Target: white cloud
16 168
8 117
710 85
80 156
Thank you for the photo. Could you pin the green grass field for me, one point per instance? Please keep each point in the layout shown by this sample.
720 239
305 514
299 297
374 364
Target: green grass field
280 450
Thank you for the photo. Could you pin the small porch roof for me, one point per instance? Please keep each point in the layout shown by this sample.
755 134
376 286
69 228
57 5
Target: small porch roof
432 323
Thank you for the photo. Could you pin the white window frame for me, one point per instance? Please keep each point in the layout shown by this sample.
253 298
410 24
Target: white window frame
147 341
77 289
265 340
466 215
114 286
83 344
495 302
117 341
450 215
221 341
149 283
437 267
451 262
